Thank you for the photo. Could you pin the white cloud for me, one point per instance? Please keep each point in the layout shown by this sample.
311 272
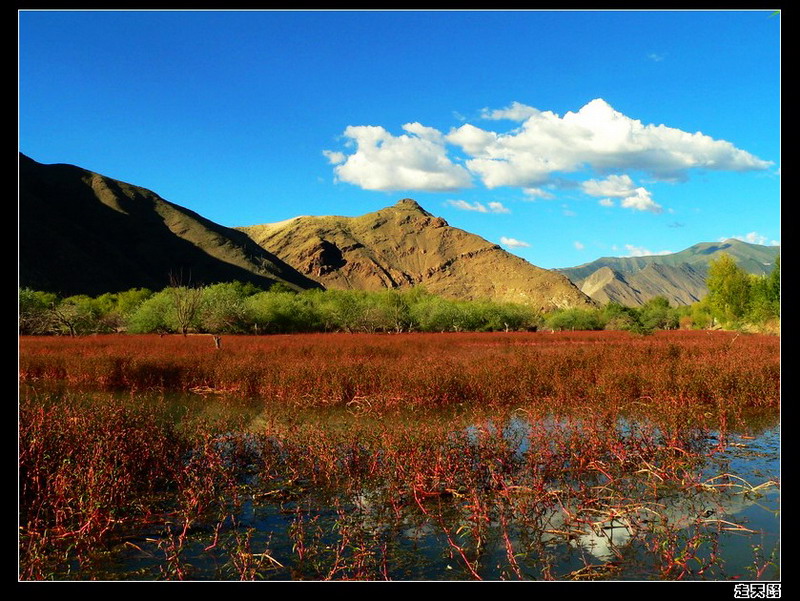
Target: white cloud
413 161
493 207
641 200
513 242
596 136
618 186
334 157
622 187
538 193
497 207
754 238
516 111
535 151
639 251
578 245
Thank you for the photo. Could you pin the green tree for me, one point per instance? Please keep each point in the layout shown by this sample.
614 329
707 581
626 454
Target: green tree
154 315
728 289
615 316
657 314
76 315
765 296
222 307
35 311
574 319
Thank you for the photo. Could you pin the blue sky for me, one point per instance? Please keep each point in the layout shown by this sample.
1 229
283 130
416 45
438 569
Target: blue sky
564 136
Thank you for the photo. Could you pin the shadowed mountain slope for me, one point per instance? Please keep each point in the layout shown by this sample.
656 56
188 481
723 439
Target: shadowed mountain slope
84 233
405 245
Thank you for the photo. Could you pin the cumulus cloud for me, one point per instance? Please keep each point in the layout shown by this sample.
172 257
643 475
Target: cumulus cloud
641 200
622 187
639 251
618 186
596 136
513 242
516 111
416 160
539 148
493 207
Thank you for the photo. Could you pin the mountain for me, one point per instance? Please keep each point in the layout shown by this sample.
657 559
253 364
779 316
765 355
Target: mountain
680 277
679 285
404 245
84 233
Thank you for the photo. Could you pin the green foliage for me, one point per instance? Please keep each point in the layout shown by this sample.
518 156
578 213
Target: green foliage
76 315
35 308
738 299
222 308
614 316
237 308
281 311
657 314
154 315
728 289
575 319
765 296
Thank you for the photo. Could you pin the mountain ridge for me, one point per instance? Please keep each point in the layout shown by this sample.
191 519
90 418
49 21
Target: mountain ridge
404 245
84 233
679 277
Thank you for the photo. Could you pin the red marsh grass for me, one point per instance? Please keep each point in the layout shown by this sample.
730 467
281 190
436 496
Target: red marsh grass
689 370
507 453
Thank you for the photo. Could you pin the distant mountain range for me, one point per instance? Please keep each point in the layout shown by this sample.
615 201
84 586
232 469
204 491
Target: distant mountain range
83 233
680 276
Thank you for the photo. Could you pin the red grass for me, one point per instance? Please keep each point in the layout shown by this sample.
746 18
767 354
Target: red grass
90 467
684 370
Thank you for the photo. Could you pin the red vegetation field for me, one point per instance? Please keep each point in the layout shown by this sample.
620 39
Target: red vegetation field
551 371
504 448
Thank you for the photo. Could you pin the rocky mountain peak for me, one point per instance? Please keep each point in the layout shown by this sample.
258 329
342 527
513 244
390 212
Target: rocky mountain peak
409 204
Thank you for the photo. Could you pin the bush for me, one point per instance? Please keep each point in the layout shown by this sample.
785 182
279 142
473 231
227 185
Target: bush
574 319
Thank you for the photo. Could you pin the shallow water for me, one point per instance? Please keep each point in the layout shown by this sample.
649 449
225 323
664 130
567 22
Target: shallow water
293 529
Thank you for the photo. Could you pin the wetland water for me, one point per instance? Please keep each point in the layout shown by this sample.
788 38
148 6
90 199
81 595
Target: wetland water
348 493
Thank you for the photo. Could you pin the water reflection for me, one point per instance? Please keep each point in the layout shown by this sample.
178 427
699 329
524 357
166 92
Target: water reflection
321 494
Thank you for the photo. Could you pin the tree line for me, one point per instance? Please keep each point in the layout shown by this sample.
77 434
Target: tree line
735 299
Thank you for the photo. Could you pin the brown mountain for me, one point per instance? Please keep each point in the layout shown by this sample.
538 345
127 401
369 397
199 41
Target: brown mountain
84 233
680 277
404 245
681 285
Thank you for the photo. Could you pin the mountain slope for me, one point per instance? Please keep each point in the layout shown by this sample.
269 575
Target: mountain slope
404 245
680 277
679 285
83 233
753 258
